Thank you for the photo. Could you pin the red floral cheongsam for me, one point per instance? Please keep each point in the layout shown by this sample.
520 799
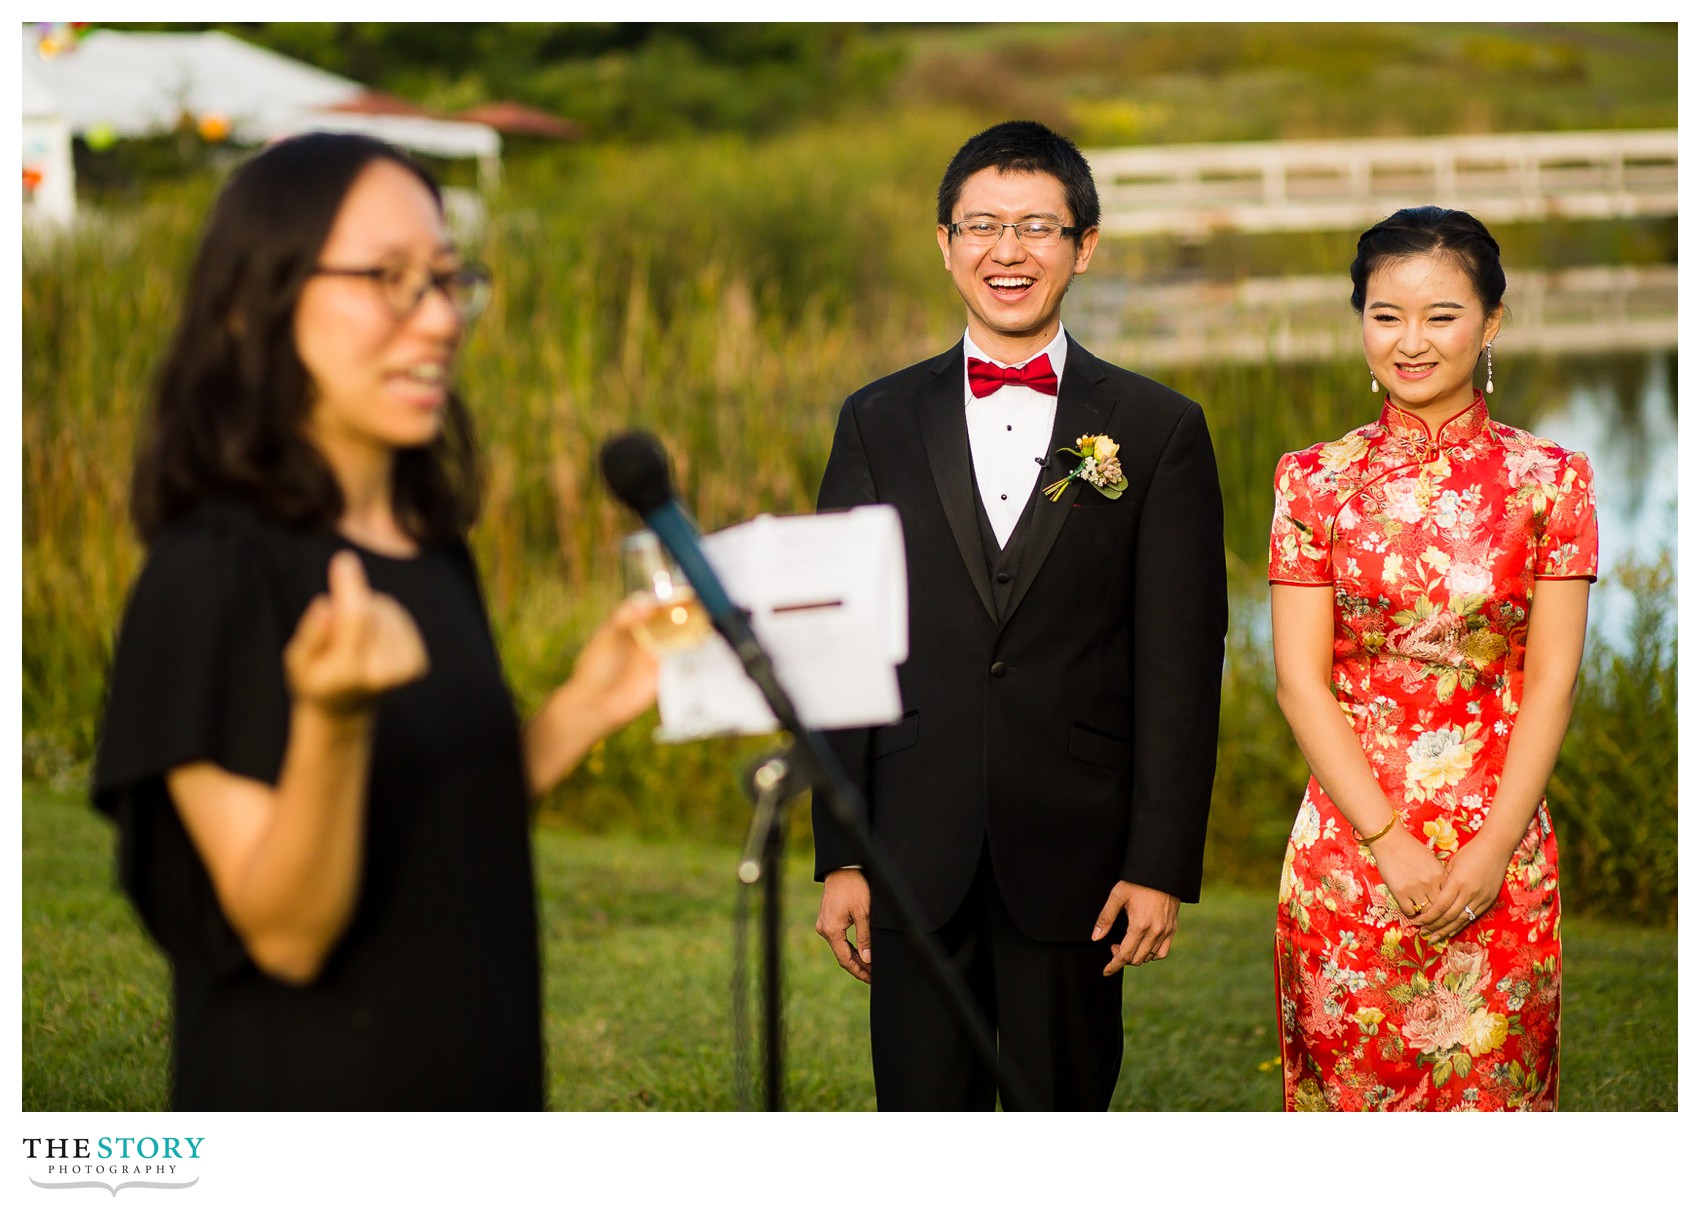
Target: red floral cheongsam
1433 547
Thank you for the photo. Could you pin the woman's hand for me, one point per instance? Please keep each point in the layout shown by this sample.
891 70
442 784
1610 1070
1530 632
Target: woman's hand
285 860
1412 872
612 683
1474 877
615 673
351 644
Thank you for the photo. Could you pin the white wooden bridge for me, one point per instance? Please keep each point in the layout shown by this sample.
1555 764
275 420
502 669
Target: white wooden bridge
1193 190
1590 310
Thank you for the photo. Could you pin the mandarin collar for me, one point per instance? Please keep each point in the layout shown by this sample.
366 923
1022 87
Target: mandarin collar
1459 429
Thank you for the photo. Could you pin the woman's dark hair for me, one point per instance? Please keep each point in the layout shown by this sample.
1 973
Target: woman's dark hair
231 399
1418 231
1024 147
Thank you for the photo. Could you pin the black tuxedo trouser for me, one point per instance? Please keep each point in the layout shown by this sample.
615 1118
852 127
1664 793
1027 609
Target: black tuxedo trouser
1056 1016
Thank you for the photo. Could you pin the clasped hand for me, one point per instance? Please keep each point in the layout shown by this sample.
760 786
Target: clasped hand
1440 898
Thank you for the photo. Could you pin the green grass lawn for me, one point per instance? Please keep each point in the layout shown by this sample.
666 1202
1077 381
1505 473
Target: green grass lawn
639 958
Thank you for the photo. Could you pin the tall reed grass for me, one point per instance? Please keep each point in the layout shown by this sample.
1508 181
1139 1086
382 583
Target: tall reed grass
1613 792
727 295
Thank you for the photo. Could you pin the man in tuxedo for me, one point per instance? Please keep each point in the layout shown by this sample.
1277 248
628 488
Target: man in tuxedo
1044 794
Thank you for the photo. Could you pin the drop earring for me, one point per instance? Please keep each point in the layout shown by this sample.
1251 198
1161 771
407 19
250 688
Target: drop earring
1488 349
1373 385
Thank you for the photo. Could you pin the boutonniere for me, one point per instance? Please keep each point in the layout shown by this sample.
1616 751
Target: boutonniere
1098 467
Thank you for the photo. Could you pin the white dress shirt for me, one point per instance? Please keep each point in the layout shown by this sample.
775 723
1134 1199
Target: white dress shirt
1008 436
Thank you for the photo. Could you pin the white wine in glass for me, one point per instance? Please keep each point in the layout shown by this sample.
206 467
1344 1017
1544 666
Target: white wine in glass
651 576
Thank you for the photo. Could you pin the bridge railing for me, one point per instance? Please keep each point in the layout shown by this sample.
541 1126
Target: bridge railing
1591 309
1328 185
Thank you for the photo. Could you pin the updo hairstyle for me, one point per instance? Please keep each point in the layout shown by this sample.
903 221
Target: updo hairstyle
1424 230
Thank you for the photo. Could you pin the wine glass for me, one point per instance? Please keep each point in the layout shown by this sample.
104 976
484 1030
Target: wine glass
651 576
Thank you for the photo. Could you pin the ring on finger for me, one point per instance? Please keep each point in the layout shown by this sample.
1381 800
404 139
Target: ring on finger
1469 913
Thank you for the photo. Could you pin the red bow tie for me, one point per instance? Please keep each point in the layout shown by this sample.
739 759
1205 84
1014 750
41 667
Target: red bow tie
984 377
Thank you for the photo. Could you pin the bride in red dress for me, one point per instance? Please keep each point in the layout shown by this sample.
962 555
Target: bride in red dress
1429 586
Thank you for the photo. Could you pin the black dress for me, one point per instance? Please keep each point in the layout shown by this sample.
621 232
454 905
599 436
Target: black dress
431 1000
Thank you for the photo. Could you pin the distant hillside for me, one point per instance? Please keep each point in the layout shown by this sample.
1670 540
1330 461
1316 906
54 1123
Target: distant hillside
1101 83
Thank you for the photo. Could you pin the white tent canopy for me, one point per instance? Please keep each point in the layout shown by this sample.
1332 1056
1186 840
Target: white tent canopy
40 98
46 148
132 84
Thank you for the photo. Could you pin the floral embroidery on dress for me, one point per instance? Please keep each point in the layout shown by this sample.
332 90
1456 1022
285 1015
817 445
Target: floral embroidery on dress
1432 546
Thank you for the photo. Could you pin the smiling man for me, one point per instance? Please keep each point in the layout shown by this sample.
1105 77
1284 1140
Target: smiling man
1045 793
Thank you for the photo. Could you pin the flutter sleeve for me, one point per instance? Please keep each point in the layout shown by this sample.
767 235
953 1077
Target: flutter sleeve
1300 551
1569 545
196 676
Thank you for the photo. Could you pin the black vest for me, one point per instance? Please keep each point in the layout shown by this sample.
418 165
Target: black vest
1003 565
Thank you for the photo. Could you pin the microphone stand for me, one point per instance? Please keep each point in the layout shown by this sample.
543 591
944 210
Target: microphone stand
769 782
806 761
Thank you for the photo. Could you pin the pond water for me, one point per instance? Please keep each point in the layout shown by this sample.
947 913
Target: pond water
1627 425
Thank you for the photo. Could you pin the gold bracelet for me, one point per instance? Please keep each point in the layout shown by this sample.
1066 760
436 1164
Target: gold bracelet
1391 822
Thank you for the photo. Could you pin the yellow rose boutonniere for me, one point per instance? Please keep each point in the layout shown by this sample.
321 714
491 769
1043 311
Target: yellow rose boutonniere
1098 467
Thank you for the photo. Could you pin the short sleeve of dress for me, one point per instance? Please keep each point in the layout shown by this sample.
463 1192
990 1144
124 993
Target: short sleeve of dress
1300 552
196 676
1569 545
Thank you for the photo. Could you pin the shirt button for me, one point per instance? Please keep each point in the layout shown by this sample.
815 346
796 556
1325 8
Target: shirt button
1003 496
1003 578
998 669
1009 429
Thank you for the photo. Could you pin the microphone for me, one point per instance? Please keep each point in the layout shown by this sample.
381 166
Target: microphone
634 466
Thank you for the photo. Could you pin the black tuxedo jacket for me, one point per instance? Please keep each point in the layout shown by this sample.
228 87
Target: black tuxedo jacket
1075 736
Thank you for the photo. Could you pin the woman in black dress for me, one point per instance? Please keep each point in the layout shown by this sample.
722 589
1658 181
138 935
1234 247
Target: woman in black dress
320 783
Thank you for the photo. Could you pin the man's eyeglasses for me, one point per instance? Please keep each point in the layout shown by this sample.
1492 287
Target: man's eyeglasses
404 286
1034 233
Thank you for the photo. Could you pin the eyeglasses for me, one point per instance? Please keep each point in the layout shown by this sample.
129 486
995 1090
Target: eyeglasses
404 286
1034 233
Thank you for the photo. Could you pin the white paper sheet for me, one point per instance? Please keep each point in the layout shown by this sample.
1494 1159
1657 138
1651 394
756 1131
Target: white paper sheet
829 598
